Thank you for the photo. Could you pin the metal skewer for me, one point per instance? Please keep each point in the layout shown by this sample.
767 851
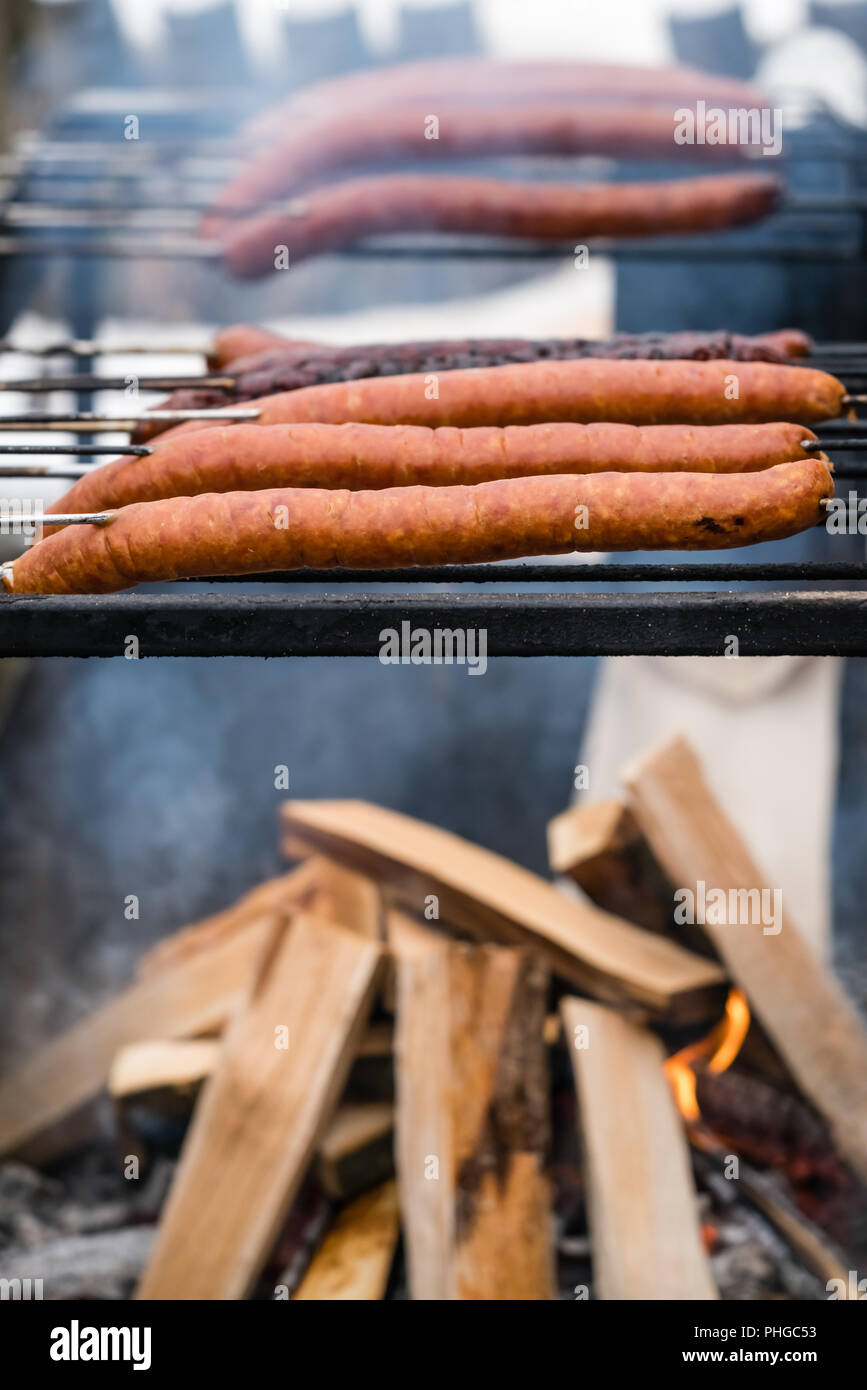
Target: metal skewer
56 519
816 446
45 470
140 449
93 347
85 422
90 382
156 247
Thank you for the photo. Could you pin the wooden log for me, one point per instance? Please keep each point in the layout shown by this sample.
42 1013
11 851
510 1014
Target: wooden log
148 1070
357 1149
599 845
285 893
488 896
642 1207
354 1260
263 1112
472 1118
809 1019
350 899
195 995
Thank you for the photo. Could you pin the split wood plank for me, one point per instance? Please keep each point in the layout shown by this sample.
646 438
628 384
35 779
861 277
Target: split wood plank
153 1066
485 895
154 1063
642 1206
355 1258
262 1114
357 1148
350 899
356 1151
156 1070
471 1118
195 995
286 893
600 847
809 1019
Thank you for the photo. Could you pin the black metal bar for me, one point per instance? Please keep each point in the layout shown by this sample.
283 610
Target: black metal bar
140 450
691 624
179 248
570 572
85 381
82 348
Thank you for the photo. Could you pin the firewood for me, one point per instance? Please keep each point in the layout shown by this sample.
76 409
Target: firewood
355 1258
150 1070
471 1118
642 1207
775 1128
280 1073
193 996
809 1019
284 894
350 899
485 895
357 1149
599 845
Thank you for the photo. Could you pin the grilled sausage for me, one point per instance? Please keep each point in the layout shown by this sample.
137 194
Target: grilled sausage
253 532
485 80
364 457
267 372
583 391
304 157
242 340
330 219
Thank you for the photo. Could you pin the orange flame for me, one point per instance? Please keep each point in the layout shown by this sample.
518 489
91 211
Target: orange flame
720 1047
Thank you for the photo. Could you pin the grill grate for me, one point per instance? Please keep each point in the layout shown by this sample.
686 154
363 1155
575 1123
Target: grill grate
63 201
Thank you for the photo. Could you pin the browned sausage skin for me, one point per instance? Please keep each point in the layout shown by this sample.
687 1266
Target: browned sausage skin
305 157
332 218
244 340
582 391
485 80
370 457
291 367
252 532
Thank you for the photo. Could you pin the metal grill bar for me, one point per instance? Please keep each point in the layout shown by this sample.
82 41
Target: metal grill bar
89 382
682 624
570 572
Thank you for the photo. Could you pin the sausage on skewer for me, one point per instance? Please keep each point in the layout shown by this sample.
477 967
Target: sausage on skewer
307 156
294 365
369 457
583 391
485 80
253 532
332 218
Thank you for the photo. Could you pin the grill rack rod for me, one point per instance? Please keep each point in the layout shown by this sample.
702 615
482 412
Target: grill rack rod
568 572
88 214
158 247
95 347
89 381
70 419
181 623
92 381
86 422
101 518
